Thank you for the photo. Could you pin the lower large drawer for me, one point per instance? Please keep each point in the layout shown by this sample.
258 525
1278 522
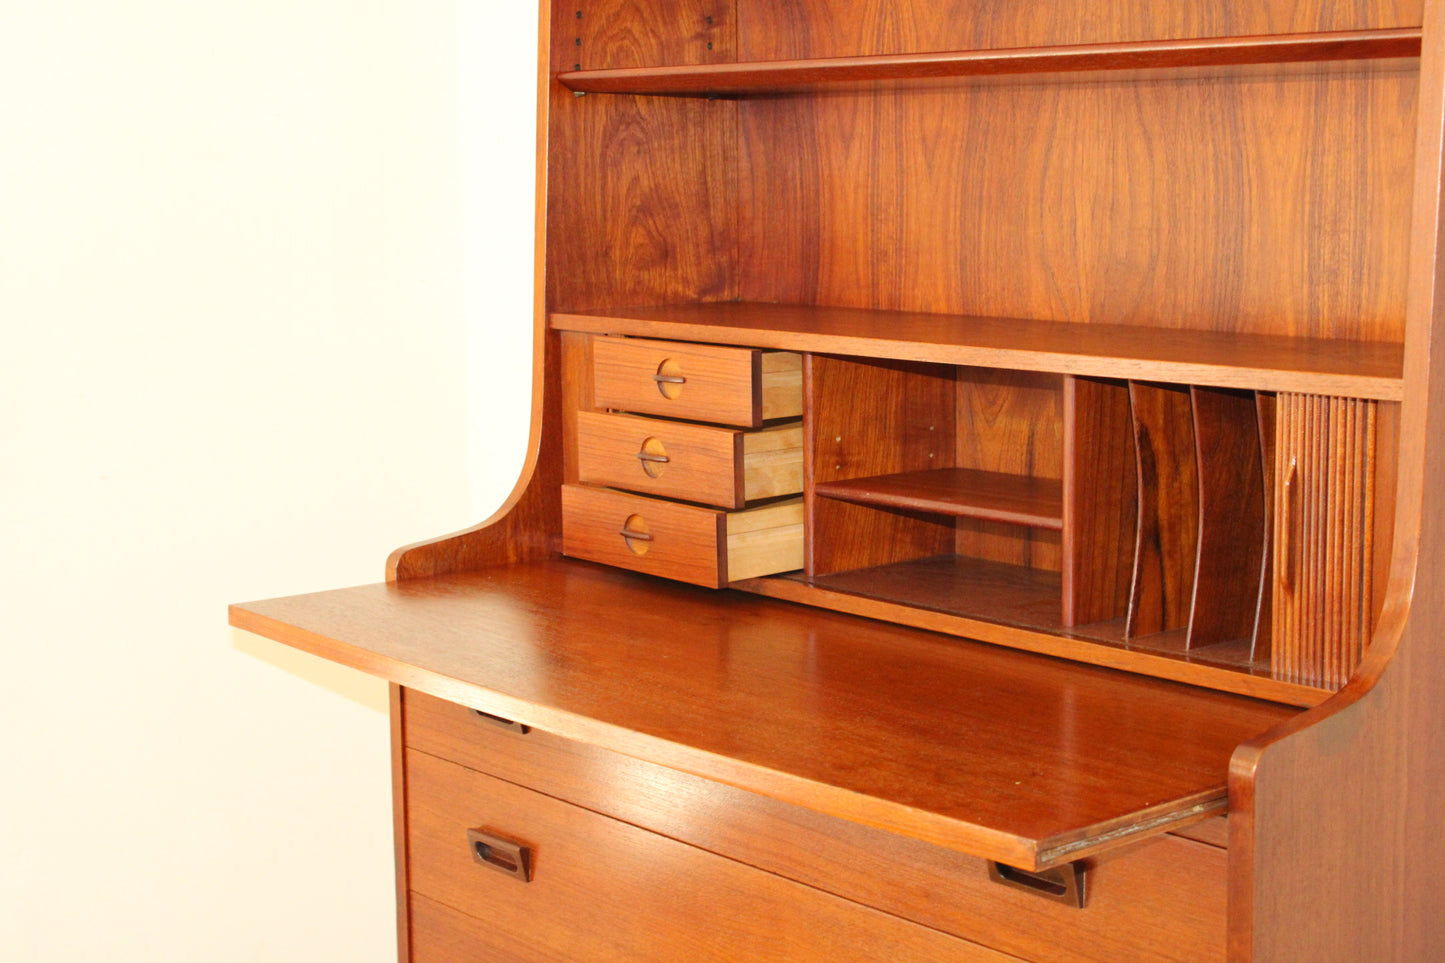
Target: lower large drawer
1163 900
601 890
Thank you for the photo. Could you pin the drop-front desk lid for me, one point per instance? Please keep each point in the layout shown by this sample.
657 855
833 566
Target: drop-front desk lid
1006 755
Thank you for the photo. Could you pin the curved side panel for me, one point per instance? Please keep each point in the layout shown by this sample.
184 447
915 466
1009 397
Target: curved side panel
528 525
1335 829
530 522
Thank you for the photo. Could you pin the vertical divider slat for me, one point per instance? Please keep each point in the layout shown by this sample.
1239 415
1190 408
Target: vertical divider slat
1231 519
1166 542
1261 639
1101 493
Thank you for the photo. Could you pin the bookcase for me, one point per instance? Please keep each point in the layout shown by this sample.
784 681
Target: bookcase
978 499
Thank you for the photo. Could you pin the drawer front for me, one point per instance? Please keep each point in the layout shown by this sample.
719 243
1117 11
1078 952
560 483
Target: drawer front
697 382
602 890
684 542
1162 900
700 463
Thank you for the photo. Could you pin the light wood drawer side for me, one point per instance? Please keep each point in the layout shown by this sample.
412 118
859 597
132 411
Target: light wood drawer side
689 543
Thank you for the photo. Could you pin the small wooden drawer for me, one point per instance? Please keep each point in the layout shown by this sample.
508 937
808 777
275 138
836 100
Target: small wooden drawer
600 890
700 463
689 543
697 382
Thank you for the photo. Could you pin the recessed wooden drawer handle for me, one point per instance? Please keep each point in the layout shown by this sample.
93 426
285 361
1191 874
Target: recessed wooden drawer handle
502 723
669 379
652 456
635 534
1062 884
500 854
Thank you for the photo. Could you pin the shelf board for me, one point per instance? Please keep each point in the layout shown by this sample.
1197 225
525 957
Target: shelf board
1021 608
1358 369
960 493
1002 754
742 79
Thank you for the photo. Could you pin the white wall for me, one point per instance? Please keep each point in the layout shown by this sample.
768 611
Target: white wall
236 271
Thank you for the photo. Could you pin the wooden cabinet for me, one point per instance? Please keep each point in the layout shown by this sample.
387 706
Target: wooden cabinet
979 451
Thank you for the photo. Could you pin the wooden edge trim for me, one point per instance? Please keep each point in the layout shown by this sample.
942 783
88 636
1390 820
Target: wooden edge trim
399 825
1172 815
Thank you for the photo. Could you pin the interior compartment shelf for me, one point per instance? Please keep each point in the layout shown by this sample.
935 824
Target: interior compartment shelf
740 79
997 753
961 493
1019 607
1355 369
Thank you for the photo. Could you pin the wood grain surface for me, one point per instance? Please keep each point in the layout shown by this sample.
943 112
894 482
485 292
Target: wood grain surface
1232 532
1101 500
609 891
961 493
1167 537
1364 369
1001 754
1162 900
1057 62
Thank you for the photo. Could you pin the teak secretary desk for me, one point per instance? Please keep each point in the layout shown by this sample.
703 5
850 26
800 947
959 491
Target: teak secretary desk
984 499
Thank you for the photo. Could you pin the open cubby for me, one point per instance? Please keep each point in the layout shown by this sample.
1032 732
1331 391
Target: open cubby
1217 534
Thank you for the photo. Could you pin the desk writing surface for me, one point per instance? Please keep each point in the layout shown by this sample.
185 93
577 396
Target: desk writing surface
1002 754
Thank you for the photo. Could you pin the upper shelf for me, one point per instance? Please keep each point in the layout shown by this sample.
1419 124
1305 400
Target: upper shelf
1358 369
1006 755
741 79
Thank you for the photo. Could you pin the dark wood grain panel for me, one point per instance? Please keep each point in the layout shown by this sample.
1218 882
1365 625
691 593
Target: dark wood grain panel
896 728
908 425
1160 901
1093 203
641 192
1167 536
1010 422
603 34
823 28
1101 500
1232 530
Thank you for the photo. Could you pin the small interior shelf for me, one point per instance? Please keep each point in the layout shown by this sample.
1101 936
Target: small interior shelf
741 79
1019 607
1356 369
960 493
